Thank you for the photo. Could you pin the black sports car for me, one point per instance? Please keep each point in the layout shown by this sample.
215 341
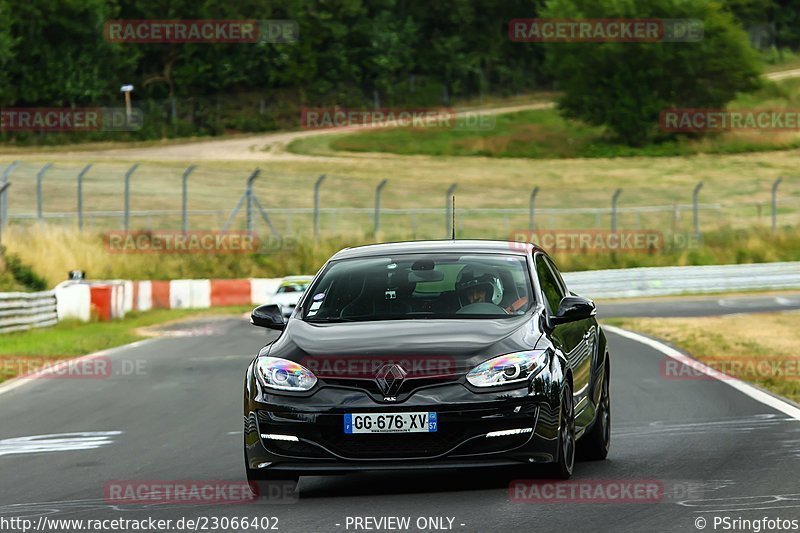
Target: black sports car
436 354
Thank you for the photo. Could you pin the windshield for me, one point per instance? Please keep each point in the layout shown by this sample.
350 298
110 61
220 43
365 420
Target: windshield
421 286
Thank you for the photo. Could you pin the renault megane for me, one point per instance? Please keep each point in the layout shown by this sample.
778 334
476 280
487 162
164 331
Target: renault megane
435 354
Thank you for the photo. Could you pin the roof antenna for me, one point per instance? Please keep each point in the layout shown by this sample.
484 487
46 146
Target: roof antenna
454 217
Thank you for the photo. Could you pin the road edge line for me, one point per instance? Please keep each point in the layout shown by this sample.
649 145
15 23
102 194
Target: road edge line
19 381
745 388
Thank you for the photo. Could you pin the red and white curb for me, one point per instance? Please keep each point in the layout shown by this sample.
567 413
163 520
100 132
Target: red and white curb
112 299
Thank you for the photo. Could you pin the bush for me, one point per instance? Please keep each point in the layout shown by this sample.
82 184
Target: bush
625 85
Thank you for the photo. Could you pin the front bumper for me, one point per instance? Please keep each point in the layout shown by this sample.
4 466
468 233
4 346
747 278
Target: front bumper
465 418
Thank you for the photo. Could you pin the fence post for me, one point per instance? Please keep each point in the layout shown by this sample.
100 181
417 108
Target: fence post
317 185
81 174
378 190
775 203
614 199
4 185
448 223
249 194
128 194
695 210
534 192
39 176
185 197
4 197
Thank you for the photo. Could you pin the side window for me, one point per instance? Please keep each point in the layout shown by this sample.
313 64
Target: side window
557 276
550 287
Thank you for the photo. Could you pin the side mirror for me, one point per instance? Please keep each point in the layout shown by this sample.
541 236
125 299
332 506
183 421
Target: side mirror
572 309
268 316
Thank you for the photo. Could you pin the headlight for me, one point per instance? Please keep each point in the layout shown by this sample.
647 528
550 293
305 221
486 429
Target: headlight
509 368
283 374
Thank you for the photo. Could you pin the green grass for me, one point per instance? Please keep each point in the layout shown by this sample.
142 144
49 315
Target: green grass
71 338
734 344
544 134
539 134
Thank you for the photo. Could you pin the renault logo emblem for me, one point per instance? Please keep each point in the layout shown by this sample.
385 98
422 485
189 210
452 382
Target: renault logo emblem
389 378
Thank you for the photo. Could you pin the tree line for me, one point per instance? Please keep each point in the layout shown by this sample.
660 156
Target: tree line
377 53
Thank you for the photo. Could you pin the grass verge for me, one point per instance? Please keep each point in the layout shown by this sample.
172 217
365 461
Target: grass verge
544 134
760 349
71 338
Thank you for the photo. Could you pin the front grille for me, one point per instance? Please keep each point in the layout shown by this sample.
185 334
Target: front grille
406 389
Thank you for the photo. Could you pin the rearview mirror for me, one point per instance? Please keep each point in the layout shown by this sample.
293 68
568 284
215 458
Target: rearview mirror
572 309
268 316
417 276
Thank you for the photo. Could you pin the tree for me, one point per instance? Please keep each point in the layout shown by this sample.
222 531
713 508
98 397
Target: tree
53 53
625 85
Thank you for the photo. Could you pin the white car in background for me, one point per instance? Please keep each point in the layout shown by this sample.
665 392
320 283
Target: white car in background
289 292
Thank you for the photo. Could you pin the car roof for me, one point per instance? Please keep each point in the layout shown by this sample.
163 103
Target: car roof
442 246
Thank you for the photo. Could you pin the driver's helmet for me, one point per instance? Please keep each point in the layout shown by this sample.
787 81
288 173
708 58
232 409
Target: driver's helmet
469 279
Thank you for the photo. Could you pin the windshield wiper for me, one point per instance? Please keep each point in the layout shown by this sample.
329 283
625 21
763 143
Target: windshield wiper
330 319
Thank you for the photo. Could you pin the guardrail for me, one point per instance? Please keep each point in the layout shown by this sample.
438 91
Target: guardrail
27 310
112 299
663 281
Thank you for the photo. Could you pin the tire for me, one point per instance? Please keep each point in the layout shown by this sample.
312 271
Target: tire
595 444
272 486
562 468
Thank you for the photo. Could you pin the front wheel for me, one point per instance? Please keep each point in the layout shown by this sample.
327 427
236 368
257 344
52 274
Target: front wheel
562 469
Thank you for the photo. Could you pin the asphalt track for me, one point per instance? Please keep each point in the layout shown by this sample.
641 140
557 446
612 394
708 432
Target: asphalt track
716 451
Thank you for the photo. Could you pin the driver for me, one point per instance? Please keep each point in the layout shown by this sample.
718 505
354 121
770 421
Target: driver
475 288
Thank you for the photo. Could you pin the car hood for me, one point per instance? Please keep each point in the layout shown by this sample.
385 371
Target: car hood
466 341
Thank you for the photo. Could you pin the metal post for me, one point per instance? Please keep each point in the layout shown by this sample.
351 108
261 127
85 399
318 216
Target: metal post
775 203
265 217
249 194
448 215
317 185
378 190
4 198
39 176
695 210
534 192
4 185
80 194
128 175
185 196
614 199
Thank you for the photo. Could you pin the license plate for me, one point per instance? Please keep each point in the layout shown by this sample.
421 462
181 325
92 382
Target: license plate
390 423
